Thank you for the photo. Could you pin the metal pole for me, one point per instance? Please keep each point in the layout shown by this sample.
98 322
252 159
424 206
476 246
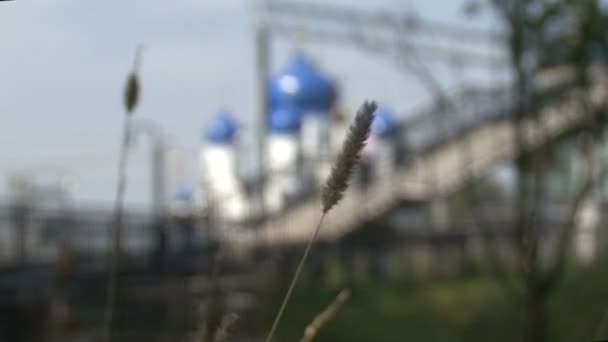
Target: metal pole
157 163
262 56
158 176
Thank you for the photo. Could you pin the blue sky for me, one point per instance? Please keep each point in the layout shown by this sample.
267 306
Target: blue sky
63 65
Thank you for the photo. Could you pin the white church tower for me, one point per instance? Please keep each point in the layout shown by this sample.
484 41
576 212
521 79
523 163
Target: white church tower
284 176
218 162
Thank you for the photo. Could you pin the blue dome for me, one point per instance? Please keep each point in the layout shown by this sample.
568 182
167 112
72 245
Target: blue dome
285 119
221 129
303 84
384 124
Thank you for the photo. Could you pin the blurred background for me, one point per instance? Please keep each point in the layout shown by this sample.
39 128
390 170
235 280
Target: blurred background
476 211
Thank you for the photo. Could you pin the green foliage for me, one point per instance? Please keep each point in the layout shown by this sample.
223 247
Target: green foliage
471 308
554 32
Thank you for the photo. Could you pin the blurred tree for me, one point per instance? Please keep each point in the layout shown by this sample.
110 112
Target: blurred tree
542 35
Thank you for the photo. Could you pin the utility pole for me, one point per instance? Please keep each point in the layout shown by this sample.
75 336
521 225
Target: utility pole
158 181
262 63
157 164
158 176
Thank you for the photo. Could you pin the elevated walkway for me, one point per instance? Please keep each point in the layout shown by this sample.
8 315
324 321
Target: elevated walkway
439 168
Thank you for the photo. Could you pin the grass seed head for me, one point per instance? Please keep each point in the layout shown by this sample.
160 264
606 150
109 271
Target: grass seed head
337 182
132 88
131 93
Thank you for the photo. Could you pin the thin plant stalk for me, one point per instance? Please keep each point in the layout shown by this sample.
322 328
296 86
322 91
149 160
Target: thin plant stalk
223 331
131 99
117 227
325 316
334 189
294 280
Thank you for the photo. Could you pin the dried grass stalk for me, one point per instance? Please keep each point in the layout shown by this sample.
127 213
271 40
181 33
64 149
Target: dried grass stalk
325 316
132 88
333 191
130 100
131 92
337 182
223 329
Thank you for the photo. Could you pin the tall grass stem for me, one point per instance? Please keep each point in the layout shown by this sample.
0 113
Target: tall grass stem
131 99
295 279
115 252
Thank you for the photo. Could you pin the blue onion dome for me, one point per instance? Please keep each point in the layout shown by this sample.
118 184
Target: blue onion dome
384 124
303 84
221 129
285 119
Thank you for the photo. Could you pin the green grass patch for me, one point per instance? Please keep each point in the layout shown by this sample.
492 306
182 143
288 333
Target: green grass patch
466 308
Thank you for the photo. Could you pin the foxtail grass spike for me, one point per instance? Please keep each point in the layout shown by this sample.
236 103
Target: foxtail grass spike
333 190
132 87
131 92
337 182
130 101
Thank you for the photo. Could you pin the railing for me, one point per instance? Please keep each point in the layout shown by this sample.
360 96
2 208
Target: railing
439 164
439 135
